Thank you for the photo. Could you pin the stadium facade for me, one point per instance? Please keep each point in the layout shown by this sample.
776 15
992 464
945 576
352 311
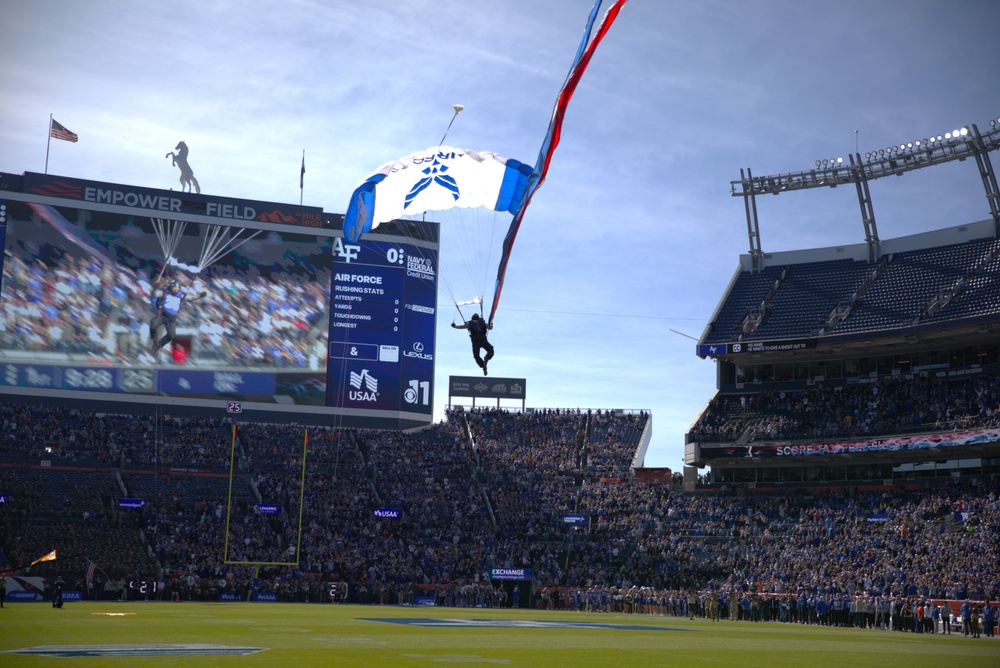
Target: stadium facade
479 509
276 317
865 363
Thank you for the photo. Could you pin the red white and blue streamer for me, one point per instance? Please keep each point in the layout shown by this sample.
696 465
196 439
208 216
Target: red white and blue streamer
585 52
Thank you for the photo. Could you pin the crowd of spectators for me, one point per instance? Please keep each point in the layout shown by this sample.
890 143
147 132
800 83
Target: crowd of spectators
845 411
467 500
53 433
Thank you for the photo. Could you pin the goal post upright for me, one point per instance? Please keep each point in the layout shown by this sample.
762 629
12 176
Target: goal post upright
229 509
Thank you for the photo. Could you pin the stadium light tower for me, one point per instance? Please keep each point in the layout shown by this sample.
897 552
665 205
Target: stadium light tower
895 160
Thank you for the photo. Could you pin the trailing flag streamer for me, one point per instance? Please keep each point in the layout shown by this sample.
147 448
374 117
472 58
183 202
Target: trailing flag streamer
89 575
583 55
443 177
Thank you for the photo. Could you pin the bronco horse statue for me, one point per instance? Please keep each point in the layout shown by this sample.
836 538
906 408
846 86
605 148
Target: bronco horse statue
179 159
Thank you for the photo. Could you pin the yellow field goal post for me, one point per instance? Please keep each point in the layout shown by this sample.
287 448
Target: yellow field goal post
229 508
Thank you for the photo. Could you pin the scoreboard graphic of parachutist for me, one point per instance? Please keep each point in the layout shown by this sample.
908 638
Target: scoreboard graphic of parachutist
348 329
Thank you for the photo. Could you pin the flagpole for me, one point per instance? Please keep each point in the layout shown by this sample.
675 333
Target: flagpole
48 142
302 176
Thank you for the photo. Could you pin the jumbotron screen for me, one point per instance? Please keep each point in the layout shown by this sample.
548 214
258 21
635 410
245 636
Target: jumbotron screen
122 293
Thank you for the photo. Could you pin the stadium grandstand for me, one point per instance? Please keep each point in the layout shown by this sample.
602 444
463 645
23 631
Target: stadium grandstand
853 440
877 362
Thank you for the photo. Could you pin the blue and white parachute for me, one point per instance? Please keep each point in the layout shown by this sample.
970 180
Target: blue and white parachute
436 179
443 177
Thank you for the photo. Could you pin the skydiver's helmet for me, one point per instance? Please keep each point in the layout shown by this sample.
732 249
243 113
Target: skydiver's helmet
174 286
475 316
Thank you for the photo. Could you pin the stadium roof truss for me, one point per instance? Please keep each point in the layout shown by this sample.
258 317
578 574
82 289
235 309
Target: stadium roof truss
891 161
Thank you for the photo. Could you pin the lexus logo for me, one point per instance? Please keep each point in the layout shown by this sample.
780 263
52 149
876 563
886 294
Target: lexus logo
418 352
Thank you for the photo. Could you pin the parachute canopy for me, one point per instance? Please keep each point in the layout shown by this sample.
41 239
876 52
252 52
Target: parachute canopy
443 177
436 179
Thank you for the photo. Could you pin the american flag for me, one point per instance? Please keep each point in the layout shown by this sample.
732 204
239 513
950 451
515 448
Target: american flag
57 131
91 567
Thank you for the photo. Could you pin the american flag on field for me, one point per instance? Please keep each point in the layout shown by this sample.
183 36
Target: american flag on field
91 567
57 131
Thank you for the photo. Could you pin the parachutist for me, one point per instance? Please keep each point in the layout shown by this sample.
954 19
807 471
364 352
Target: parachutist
167 303
477 333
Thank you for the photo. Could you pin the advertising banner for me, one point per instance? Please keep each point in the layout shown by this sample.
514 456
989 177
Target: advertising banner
25 589
893 444
165 202
510 574
487 388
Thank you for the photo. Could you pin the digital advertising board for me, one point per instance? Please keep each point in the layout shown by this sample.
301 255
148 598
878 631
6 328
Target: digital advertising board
120 293
487 388
382 312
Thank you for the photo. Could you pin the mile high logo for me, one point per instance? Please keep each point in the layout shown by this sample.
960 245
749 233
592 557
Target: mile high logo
365 387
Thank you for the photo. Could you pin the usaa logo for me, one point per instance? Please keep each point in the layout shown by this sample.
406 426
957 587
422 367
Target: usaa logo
364 386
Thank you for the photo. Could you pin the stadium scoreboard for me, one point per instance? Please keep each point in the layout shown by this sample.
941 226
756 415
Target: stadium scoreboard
283 319
382 312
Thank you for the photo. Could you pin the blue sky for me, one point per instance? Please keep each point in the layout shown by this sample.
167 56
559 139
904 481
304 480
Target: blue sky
633 235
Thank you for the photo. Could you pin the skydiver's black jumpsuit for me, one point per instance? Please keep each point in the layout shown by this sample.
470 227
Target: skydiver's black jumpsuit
477 332
168 305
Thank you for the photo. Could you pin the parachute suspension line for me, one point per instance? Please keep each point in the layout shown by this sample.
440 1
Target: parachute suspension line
468 255
489 261
455 257
168 233
470 235
485 245
219 242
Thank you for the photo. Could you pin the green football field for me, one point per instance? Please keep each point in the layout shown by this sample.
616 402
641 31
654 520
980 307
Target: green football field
275 634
